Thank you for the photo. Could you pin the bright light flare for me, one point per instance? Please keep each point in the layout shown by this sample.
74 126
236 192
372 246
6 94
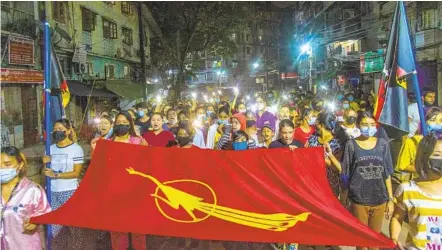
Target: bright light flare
194 95
255 65
236 90
159 98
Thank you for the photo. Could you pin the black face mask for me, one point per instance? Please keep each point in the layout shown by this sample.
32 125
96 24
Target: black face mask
184 140
250 123
350 120
121 129
58 136
436 165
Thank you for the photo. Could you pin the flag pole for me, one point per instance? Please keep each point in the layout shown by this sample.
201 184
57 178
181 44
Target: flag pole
47 112
415 79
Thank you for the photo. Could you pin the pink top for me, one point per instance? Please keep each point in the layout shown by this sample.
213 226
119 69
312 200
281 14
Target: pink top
28 200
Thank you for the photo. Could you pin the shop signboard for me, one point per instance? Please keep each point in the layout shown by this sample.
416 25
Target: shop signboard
372 61
21 51
9 75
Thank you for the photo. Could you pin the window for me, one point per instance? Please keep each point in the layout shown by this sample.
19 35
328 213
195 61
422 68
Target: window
249 50
126 8
88 19
109 70
127 71
260 38
59 11
109 29
66 66
110 2
90 68
247 37
127 36
428 19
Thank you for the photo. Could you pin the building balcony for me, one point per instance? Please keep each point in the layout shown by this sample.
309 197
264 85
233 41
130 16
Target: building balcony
427 38
17 21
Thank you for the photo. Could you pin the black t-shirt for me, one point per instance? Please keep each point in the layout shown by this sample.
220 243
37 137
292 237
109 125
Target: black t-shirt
279 144
144 126
367 171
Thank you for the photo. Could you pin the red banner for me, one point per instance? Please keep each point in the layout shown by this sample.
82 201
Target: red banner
256 195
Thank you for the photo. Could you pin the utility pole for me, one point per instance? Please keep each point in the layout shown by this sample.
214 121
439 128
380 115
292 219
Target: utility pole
142 48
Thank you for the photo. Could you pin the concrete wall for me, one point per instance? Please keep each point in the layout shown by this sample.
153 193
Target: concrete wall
104 51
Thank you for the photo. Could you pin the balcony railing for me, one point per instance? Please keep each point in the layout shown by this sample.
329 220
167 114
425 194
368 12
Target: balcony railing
16 21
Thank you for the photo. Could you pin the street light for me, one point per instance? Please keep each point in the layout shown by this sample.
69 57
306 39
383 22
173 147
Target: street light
306 49
256 65
155 80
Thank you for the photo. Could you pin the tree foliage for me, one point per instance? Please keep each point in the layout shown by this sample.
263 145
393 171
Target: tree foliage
190 27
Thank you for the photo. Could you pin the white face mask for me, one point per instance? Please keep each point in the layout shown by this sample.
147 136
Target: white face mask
242 111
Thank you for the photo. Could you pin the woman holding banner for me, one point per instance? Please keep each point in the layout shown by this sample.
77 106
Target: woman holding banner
24 199
66 160
124 131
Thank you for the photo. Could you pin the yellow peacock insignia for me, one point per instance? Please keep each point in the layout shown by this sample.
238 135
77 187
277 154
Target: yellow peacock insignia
176 198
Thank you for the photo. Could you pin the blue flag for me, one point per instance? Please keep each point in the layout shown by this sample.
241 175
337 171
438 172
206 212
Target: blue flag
392 105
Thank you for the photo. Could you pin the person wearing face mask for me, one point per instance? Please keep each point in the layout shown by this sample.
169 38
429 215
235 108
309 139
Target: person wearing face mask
66 160
405 168
184 137
367 169
306 129
421 200
262 115
198 137
124 132
143 119
223 119
158 137
21 200
332 149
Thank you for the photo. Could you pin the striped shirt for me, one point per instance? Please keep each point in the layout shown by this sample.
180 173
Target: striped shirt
425 216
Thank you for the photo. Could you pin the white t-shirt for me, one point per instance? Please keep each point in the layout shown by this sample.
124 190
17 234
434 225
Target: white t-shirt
413 114
62 161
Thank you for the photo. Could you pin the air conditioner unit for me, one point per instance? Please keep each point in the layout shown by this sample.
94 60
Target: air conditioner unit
84 68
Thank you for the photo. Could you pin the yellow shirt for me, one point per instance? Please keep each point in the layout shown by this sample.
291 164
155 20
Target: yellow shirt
424 214
407 156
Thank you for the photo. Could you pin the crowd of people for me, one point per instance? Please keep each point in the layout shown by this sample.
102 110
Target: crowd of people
373 183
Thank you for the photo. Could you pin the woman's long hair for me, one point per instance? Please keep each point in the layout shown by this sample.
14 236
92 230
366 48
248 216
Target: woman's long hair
424 151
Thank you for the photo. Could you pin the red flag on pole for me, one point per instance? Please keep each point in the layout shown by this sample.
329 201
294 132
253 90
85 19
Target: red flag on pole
254 195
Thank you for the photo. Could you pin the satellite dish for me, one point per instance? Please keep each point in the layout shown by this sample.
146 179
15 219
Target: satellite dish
63 33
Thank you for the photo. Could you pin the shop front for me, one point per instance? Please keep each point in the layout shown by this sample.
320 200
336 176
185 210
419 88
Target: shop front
20 104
